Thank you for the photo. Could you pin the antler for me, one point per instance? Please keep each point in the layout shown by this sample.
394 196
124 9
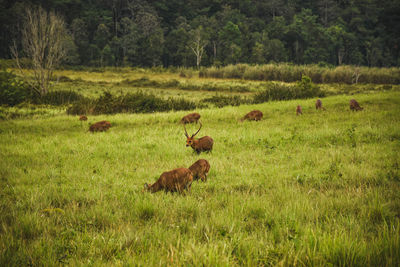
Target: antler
197 130
186 134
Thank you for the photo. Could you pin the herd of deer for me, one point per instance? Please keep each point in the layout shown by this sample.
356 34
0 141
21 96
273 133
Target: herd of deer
181 179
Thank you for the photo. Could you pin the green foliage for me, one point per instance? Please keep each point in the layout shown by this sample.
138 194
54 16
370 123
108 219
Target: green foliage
318 73
12 90
222 101
276 91
138 102
58 98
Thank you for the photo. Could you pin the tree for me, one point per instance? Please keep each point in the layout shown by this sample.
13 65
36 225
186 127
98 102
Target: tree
43 38
197 44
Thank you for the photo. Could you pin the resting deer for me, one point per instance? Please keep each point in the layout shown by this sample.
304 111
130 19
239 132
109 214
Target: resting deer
192 117
200 169
299 111
176 180
204 143
254 115
318 105
354 105
100 126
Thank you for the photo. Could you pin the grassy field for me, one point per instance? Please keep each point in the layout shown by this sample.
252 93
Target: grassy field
319 189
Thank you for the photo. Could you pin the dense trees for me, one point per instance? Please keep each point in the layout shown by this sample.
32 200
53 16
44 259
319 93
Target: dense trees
220 32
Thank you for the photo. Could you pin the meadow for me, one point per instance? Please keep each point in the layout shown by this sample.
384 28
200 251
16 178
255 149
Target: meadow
319 189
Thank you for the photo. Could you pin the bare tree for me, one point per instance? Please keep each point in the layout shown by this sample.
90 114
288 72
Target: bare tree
42 39
197 44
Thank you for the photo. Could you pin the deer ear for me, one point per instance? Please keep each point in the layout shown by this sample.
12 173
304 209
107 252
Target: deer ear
146 186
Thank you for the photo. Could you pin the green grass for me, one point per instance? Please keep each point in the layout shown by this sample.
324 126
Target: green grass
314 190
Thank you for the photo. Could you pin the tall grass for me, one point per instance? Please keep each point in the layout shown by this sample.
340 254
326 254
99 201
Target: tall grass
319 189
291 73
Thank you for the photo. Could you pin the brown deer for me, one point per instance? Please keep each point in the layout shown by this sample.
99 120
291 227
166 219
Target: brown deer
200 169
318 105
354 105
100 126
254 115
176 180
189 118
204 143
82 118
299 110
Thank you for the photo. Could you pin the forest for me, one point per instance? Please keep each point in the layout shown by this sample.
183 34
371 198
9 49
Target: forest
218 32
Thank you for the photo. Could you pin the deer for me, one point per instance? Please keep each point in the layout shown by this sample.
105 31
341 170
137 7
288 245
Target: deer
318 104
200 169
82 118
254 115
299 110
189 118
176 180
100 126
204 143
354 106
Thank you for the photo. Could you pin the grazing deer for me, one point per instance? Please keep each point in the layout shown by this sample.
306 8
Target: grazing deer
200 169
100 126
354 105
192 117
318 105
176 180
254 115
204 143
82 118
299 111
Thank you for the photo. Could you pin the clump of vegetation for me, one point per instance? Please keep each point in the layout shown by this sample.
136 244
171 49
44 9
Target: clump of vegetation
12 90
58 98
276 91
319 74
146 82
138 102
221 101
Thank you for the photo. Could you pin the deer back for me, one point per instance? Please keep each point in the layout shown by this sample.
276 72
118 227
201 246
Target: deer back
204 143
354 105
173 181
200 169
192 117
253 115
82 118
100 126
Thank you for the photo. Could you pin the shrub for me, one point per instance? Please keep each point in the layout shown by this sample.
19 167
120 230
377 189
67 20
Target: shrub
275 91
58 98
129 103
221 101
321 73
12 90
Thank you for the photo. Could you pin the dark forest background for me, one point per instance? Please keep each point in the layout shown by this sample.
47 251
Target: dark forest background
161 33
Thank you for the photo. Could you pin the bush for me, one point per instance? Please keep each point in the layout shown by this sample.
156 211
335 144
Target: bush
12 90
221 101
58 98
303 89
321 73
129 103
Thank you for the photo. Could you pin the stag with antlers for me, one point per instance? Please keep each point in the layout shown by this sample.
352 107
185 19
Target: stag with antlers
204 143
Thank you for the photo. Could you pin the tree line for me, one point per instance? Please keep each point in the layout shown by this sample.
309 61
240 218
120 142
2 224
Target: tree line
218 32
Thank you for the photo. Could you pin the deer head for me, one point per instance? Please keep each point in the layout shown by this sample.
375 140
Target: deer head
190 139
